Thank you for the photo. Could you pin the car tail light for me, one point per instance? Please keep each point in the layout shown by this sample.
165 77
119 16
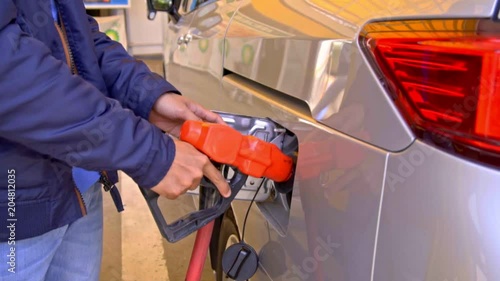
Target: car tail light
445 79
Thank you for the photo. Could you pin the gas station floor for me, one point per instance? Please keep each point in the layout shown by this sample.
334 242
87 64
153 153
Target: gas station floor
133 247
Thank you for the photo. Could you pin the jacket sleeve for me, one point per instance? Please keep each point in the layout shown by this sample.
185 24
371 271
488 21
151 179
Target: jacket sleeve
46 108
128 80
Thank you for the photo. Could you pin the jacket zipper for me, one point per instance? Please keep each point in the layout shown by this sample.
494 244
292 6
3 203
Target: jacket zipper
61 29
112 189
79 195
70 53
104 180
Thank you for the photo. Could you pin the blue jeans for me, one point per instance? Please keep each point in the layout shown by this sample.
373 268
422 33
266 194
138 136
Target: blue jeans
72 252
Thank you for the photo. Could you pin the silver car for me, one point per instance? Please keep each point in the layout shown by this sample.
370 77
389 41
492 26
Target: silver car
395 105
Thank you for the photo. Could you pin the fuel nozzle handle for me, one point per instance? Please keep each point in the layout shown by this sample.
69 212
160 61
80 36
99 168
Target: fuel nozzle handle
250 155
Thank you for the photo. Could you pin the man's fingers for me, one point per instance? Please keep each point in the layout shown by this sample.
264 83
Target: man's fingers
216 178
195 184
190 115
205 114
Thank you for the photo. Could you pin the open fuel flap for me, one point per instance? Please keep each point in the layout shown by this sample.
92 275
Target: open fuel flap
244 187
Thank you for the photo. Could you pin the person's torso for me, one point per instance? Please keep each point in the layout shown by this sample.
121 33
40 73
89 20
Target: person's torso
46 196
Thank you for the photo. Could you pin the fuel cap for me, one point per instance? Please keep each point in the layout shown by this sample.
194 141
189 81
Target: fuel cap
240 261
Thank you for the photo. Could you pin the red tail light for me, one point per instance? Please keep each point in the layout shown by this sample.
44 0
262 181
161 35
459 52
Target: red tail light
445 82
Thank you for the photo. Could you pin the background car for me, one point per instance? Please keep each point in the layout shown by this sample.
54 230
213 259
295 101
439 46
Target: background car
395 105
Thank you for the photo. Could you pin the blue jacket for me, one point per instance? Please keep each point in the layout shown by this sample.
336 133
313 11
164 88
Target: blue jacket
69 96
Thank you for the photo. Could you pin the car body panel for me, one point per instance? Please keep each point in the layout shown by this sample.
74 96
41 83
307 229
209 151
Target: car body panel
439 218
299 63
283 45
334 201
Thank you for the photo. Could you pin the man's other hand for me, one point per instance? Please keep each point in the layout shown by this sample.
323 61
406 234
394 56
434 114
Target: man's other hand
187 169
171 110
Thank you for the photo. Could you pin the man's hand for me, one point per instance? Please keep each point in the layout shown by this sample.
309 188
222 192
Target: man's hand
189 165
186 172
171 110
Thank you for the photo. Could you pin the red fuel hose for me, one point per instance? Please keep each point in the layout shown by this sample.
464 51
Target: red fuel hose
199 254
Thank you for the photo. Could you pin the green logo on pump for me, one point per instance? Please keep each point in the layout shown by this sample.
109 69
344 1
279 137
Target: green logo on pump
203 45
113 34
247 54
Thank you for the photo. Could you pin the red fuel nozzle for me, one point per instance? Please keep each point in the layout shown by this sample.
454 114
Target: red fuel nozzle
225 145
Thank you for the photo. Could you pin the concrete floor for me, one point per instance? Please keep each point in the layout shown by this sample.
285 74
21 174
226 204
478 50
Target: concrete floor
133 247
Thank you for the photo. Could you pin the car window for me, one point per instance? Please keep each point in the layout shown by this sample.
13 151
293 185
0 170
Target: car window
191 5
